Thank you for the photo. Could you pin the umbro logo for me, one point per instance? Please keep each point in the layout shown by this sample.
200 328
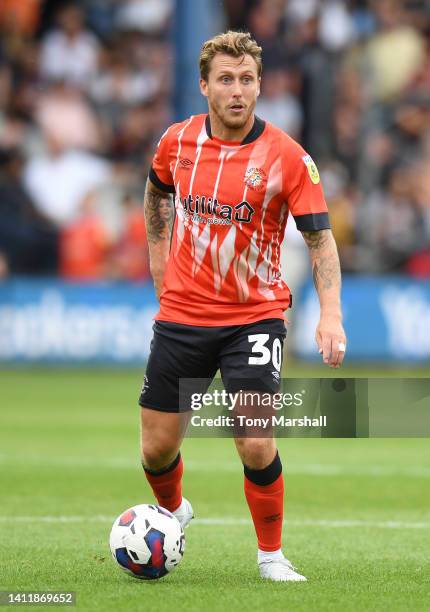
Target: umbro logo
145 385
272 518
185 163
275 375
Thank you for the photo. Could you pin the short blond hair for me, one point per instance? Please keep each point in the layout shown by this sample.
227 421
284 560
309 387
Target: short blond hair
231 43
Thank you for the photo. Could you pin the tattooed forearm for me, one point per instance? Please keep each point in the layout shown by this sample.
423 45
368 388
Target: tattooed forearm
325 263
329 335
159 214
317 240
325 272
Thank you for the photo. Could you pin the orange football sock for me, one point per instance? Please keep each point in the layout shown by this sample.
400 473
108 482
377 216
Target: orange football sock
167 484
264 492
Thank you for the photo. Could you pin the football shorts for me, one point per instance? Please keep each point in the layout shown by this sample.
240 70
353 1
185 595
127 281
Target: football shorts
249 358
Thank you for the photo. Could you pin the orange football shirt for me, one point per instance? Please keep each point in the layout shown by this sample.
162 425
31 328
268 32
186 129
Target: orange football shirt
232 202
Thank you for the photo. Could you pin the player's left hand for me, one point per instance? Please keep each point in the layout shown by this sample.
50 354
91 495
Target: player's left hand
331 340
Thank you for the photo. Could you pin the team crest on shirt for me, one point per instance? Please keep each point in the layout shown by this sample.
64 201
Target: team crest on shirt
312 169
255 178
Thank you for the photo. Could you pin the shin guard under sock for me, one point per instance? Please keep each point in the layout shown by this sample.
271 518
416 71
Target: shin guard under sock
264 492
167 484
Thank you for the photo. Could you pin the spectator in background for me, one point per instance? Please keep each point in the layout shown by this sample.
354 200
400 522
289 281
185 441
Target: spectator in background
101 15
121 85
341 201
134 135
265 21
130 258
388 223
85 245
69 52
347 119
300 11
28 240
59 181
133 88
336 29
66 119
237 11
149 16
394 54
89 251
318 86
20 17
278 105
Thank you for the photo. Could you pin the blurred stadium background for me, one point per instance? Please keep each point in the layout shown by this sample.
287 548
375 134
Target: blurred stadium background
87 88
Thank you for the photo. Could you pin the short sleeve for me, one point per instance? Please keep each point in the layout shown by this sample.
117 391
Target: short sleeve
160 174
303 190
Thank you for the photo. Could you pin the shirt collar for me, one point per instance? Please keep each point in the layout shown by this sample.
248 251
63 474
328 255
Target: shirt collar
256 130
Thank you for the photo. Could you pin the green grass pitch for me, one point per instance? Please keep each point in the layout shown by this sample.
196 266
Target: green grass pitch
357 511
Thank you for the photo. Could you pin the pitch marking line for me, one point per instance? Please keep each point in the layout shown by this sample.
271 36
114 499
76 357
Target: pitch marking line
309 469
227 521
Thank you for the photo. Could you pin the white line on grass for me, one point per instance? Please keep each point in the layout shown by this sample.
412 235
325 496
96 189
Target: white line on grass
227 520
309 469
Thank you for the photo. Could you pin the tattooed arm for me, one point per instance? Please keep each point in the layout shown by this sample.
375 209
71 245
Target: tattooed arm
159 215
327 281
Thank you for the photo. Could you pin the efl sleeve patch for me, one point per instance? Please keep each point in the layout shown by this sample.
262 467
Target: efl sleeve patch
302 185
312 169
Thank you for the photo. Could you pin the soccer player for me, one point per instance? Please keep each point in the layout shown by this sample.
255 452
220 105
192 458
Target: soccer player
233 180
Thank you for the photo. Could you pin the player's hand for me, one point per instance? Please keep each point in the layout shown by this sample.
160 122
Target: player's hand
331 340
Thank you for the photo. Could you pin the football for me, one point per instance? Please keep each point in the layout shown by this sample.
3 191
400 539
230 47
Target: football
147 541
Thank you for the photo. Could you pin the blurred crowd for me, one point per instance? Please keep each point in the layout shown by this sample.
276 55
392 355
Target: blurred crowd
351 80
84 94
86 90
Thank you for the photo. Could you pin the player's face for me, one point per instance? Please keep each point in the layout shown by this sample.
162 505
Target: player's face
232 89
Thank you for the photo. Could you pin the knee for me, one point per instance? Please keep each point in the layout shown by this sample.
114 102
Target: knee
161 437
157 455
158 449
256 453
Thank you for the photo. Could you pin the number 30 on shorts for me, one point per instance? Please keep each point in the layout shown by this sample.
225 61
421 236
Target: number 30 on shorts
264 354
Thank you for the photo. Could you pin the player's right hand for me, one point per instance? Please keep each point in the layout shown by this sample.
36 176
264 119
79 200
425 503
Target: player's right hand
331 340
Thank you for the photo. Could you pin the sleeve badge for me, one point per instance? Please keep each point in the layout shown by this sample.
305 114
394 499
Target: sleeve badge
312 169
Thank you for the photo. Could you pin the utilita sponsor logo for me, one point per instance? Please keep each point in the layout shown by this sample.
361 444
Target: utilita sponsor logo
200 205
